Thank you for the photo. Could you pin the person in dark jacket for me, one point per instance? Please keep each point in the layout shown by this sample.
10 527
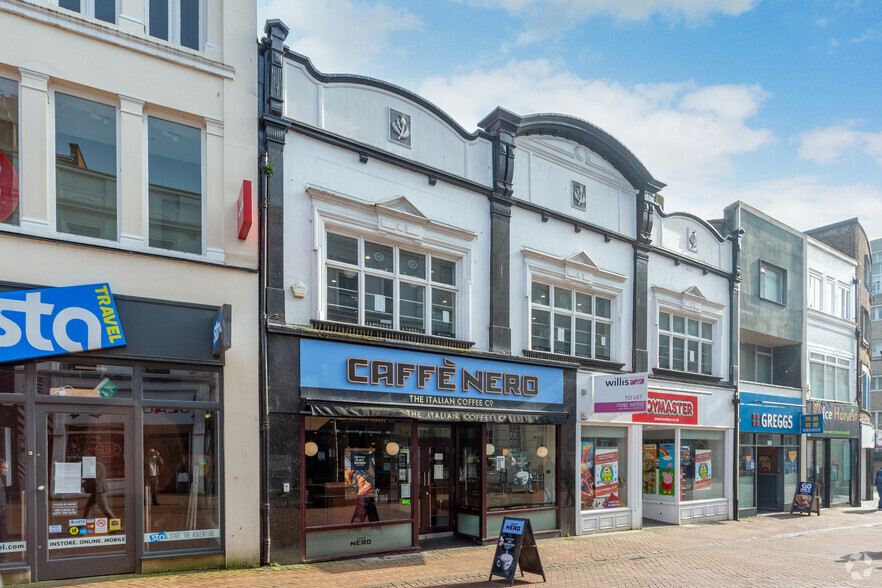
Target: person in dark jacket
879 487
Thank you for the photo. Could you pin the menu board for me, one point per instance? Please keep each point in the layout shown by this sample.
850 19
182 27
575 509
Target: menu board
516 547
806 499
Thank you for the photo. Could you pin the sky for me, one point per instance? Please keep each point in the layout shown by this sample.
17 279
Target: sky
772 102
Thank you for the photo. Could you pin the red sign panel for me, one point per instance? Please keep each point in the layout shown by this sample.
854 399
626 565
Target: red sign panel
107 449
8 188
246 213
669 408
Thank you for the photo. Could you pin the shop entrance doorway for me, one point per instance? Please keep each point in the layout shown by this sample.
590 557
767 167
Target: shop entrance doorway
436 467
768 478
85 499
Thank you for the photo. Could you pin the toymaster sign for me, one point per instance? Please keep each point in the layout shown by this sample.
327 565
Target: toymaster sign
341 379
37 323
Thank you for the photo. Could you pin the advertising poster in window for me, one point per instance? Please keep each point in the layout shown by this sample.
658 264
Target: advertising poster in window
650 468
587 475
606 476
790 465
359 473
666 468
702 469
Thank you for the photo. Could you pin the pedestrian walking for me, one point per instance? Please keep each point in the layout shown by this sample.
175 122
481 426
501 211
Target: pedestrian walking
879 487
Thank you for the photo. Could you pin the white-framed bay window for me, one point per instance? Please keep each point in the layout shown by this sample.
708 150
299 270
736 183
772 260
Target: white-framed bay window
389 286
573 307
689 332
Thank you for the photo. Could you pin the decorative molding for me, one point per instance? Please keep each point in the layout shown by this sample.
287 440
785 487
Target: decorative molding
214 127
133 19
34 80
131 105
109 33
35 225
130 241
578 267
215 254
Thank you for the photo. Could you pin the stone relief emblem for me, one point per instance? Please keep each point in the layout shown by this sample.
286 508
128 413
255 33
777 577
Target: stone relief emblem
692 240
580 195
399 127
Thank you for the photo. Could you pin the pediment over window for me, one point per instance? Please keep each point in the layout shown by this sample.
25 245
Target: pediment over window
582 259
694 291
401 204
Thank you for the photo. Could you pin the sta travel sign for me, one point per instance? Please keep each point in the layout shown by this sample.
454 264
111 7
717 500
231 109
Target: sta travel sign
52 321
360 373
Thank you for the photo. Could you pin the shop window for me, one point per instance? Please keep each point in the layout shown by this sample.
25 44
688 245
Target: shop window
181 479
176 21
13 465
840 471
357 471
604 458
521 466
174 161
828 377
12 379
101 9
85 168
685 344
658 467
178 384
772 283
747 476
570 322
9 186
390 287
64 378
701 464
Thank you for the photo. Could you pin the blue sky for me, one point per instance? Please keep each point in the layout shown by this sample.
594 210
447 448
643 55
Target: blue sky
773 102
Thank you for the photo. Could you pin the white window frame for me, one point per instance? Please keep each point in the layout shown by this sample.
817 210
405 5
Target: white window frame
578 273
394 224
876 312
573 314
203 159
694 307
87 8
53 213
765 268
844 301
816 291
837 364
174 23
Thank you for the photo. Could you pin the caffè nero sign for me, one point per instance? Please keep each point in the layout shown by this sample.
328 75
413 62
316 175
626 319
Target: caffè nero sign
424 385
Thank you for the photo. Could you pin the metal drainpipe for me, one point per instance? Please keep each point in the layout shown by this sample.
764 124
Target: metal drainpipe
262 370
857 387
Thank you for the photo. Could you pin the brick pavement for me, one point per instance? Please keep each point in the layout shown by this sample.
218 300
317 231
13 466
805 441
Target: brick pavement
842 547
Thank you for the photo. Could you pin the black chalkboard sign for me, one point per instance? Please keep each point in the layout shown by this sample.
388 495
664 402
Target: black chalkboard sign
516 547
806 499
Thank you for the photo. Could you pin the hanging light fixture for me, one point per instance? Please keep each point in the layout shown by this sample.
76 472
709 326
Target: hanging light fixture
392 448
541 451
505 452
489 449
310 448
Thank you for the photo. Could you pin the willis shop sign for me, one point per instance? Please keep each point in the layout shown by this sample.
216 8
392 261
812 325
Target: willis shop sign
342 379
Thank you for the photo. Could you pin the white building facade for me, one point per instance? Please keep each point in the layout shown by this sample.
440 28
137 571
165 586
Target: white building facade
126 144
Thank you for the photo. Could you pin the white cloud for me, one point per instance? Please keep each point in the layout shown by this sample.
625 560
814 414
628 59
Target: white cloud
677 130
544 17
830 144
339 36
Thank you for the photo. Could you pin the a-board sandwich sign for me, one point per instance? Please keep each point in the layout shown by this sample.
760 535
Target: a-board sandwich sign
807 499
516 547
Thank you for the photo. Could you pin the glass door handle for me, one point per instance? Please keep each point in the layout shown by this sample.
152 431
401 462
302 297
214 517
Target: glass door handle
41 487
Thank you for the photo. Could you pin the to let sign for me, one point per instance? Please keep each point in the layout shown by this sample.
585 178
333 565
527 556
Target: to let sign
624 393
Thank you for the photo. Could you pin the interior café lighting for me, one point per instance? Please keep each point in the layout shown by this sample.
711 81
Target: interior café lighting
392 448
505 452
310 448
541 451
489 449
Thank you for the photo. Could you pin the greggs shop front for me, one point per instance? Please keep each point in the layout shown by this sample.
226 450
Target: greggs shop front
400 445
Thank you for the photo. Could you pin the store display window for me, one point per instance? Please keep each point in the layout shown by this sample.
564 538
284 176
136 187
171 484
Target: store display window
604 463
521 469
357 471
701 464
658 467
747 471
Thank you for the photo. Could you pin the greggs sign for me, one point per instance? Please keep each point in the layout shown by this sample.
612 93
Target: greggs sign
669 408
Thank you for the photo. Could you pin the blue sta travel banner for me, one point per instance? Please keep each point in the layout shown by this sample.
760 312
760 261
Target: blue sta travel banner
53 321
344 372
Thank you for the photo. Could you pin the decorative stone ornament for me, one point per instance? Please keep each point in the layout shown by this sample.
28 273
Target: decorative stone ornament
579 195
692 240
399 127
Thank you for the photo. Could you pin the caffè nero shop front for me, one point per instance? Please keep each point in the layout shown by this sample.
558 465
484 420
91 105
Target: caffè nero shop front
399 446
